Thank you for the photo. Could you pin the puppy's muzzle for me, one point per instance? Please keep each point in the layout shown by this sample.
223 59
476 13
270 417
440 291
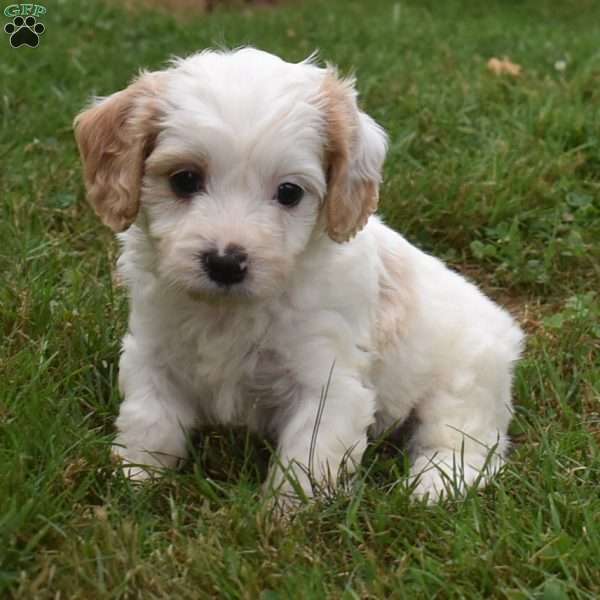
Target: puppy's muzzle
226 269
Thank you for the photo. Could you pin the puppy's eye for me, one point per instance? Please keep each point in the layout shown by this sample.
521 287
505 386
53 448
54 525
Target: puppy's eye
289 194
186 183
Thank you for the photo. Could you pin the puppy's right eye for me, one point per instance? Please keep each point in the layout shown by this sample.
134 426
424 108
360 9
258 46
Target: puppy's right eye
289 194
186 183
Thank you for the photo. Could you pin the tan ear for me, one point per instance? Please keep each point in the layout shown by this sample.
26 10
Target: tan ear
114 138
355 154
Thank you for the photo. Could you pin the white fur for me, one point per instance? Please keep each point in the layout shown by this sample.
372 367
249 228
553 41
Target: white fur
396 329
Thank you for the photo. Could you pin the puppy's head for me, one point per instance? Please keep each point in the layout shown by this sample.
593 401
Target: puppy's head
230 164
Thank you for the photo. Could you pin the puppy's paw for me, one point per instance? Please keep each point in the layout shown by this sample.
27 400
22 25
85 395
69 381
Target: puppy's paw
448 474
285 495
433 481
282 508
130 468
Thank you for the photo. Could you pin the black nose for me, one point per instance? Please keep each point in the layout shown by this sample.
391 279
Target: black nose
228 268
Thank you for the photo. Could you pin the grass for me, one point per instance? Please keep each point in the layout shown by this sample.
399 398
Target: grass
499 176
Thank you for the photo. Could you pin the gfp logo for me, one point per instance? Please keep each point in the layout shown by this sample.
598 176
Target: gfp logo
25 28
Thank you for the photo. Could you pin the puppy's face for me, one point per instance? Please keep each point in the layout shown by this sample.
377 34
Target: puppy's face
232 164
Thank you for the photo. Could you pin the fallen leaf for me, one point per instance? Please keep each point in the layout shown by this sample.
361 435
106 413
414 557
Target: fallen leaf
503 67
72 471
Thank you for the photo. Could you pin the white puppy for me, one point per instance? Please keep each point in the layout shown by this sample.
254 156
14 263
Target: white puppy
263 292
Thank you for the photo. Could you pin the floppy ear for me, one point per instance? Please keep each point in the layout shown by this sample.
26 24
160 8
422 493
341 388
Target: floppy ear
114 137
355 153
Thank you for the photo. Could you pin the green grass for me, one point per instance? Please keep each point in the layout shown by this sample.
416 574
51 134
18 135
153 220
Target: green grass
499 176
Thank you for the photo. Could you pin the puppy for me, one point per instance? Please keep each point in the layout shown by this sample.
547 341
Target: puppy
263 290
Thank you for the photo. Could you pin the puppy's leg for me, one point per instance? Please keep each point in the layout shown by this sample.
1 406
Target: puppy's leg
324 432
461 439
154 418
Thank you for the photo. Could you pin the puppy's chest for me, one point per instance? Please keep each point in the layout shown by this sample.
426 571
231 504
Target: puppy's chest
231 369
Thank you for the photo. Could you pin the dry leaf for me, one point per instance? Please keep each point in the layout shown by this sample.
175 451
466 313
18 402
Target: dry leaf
72 471
503 67
101 513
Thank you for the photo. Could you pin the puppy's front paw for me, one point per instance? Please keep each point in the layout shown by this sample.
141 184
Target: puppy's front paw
431 482
129 466
282 508
286 490
447 474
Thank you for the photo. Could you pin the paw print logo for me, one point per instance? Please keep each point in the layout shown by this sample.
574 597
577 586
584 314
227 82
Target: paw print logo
24 32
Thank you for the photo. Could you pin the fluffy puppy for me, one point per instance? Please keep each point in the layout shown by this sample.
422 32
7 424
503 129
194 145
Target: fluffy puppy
264 292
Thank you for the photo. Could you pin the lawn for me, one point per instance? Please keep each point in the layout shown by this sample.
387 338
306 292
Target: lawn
498 175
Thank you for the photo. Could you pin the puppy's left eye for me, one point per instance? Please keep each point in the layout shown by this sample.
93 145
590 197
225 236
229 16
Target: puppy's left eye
289 194
186 183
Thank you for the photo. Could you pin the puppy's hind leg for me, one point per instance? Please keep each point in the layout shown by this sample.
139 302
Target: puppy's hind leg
154 419
461 438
